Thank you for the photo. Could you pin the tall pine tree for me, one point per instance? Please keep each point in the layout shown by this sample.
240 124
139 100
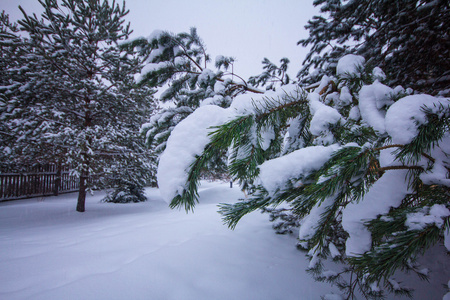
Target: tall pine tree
76 101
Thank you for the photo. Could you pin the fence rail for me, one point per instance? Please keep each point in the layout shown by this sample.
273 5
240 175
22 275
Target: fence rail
39 181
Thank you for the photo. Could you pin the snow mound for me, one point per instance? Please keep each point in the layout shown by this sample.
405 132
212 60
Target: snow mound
275 173
406 115
372 99
349 64
387 192
323 115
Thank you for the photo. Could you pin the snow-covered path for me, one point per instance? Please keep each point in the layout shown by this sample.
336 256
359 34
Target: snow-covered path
146 251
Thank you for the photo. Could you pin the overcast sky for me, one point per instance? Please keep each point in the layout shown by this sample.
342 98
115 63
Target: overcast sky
248 30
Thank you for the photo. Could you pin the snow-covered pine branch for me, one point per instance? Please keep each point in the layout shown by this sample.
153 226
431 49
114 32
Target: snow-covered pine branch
367 167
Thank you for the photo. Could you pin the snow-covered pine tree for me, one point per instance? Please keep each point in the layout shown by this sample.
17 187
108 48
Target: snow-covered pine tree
180 65
10 45
128 174
77 102
19 117
408 39
363 166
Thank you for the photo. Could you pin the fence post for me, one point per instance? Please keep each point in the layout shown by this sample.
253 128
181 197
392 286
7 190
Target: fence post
58 179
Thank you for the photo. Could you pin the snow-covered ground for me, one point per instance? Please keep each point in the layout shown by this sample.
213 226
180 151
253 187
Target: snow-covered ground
147 251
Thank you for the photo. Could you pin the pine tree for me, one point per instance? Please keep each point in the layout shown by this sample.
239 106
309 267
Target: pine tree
180 64
18 119
362 167
9 43
77 102
408 39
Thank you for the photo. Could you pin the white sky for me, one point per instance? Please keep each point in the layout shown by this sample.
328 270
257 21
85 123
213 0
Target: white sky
248 30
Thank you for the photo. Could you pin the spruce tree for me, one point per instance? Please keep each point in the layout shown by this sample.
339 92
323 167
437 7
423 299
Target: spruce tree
77 103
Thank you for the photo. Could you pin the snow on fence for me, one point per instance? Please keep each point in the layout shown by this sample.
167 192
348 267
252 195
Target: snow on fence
39 181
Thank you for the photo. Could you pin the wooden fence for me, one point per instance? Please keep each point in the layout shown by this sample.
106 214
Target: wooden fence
39 181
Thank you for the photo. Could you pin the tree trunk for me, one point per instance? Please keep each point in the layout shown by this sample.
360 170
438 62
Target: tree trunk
86 161
82 193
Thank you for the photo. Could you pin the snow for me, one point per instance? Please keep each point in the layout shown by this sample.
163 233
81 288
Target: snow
323 83
354 113
155 35
329 274
219 59
215 100
151 67
427 216
275 173
222 60
447 296
438 173
179 154
349 64
242 104
333 250
378 74
7 150
374 287
345 97
267 135
403 119
333 297
394 284
447 239
376 108
372 98
323 115
387 192
310 223
314 259
387 157
405 116
180 61
146 251
219 87
205 76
